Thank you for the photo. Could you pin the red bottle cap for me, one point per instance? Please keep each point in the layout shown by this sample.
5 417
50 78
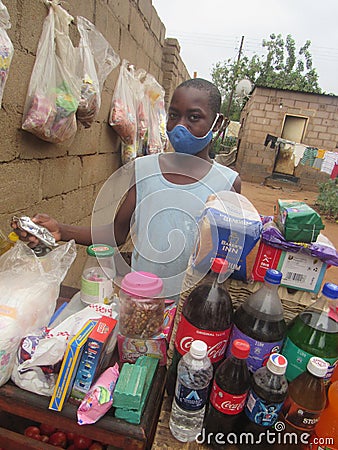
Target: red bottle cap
240 348
219 265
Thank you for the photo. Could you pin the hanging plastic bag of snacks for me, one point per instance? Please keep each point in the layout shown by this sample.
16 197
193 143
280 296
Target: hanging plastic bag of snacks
6 48
157 138
142 112
123 111
54 89
98 59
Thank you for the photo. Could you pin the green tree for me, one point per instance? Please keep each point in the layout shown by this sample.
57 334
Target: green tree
282 67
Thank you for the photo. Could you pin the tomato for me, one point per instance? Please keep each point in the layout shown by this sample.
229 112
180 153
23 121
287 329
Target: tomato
82 442
70 436
96 446
47 429
31 431
59 439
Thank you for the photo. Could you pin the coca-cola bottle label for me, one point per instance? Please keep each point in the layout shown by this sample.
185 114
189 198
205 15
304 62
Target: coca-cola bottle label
259 351
298 416
191 399
216 340
298 359
227 403
260 411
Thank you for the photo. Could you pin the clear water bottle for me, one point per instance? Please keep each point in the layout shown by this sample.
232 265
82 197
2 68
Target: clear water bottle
194 373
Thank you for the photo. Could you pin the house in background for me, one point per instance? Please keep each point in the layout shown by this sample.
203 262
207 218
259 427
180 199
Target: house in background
275 122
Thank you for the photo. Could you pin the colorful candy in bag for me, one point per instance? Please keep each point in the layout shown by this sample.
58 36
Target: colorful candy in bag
54 88
98 59
123 110
100 397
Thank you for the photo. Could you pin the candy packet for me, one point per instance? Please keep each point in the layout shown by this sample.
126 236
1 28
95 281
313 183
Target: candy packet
100 397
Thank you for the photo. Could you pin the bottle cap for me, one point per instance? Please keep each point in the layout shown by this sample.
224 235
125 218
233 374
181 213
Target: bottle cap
13 237
273 276
330 290
219 265
317 366
277 364
142 284
240 348
198 349
100 250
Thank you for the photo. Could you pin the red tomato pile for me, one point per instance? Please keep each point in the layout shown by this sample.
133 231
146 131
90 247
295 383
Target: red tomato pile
61 439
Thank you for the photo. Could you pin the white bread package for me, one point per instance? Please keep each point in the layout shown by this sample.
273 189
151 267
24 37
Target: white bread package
229 228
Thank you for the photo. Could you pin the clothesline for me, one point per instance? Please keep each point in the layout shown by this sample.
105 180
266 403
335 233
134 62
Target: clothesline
320 159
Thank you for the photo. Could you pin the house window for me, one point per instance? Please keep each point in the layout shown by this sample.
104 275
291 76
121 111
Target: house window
294 128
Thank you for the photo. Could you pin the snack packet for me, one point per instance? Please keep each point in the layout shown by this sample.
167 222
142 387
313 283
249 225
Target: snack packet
100 397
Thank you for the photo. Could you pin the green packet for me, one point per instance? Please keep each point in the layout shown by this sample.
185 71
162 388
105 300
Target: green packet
297 221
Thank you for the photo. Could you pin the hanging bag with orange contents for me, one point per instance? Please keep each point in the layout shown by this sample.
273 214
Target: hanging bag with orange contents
123 111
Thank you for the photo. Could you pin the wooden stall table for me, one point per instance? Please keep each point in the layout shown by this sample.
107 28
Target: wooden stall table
117 433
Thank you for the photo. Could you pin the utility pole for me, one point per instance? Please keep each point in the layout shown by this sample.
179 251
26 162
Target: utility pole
227 119
235 76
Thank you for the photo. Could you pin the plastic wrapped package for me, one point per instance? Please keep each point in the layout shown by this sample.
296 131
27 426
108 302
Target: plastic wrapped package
40 353
122 116
142 112
54 89
29 288
100 397
98 59
6 48
157 138
230 227
322 248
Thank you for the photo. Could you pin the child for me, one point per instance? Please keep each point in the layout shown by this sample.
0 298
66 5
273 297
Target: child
168 191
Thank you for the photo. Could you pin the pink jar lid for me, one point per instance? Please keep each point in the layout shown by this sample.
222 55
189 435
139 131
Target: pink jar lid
142 284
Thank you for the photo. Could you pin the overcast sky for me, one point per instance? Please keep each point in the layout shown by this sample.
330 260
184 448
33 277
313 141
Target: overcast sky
210 31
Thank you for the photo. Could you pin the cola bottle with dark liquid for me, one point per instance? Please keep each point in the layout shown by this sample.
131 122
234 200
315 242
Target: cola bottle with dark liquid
228 396
207 316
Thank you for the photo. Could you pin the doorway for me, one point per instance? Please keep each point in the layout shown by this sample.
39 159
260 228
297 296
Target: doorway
293 131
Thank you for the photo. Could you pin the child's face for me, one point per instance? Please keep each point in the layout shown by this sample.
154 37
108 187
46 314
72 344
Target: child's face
190 107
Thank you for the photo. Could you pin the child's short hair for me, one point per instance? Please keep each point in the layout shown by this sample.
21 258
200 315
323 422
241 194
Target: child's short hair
215 98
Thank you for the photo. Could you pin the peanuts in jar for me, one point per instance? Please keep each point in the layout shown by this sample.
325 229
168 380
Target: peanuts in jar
141 308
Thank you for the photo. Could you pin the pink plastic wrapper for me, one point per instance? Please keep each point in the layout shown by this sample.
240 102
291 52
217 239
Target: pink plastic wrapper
99 399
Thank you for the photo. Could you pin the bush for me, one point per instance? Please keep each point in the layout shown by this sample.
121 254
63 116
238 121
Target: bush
327 201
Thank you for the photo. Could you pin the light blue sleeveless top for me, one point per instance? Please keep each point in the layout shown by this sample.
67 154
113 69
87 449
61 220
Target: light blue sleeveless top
166 217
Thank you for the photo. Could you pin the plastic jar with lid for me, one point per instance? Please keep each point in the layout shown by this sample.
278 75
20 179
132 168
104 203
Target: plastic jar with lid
97 281
141 307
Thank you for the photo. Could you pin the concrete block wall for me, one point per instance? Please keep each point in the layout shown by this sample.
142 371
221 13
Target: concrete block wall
264 113
63 180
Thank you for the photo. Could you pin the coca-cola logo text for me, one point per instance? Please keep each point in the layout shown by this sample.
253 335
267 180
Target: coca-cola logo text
229 406
214 352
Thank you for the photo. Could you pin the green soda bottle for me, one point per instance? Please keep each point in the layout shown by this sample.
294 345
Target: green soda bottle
314 332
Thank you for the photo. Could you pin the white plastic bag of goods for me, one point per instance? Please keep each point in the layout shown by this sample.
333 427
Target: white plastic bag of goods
6 48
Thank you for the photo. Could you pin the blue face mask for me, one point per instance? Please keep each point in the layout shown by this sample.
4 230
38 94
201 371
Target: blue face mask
185 142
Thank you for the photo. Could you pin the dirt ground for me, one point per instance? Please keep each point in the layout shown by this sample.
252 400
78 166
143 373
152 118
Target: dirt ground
264 198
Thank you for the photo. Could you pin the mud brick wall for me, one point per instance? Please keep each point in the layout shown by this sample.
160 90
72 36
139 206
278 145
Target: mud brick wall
63 180
264 113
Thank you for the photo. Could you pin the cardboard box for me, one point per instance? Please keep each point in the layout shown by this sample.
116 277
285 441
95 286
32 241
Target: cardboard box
267 257
95 357
69 365
300 271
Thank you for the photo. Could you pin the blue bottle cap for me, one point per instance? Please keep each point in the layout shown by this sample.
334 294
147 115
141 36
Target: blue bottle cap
330 290
273 276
